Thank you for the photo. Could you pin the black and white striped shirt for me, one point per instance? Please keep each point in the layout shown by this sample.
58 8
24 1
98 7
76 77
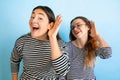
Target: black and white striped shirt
37 63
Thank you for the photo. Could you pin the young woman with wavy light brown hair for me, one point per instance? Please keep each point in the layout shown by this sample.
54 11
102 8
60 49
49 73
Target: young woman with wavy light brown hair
85 45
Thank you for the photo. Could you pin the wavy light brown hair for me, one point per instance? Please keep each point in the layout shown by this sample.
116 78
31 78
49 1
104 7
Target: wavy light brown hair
90 46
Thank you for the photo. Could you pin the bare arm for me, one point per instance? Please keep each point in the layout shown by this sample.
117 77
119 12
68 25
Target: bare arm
14 76
102 42
55 50
96 35
59 59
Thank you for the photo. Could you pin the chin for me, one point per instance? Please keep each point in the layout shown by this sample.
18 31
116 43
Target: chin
34 35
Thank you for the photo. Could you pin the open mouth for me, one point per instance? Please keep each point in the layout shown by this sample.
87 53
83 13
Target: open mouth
35 28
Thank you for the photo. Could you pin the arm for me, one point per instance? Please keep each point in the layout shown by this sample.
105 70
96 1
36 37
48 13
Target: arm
53 40
105 50
97 36
59 59
16 58
14 76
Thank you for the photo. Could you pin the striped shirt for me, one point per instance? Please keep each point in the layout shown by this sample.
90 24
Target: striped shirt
37 63
77 70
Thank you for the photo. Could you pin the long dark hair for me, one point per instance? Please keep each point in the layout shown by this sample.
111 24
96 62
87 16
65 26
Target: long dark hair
49 13
90 46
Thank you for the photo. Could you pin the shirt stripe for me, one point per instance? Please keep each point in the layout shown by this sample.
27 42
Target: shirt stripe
37 63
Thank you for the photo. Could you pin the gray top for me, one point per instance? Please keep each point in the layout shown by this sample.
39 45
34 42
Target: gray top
76 55
37 63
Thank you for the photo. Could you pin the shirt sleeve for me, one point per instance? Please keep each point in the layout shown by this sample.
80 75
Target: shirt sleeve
104 53
16 55
61 65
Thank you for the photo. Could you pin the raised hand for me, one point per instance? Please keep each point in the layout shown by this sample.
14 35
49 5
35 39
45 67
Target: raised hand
55 28
93 30
97 36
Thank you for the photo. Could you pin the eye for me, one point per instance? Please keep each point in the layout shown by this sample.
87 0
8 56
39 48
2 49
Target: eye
72 27
32 17
40 18
79 25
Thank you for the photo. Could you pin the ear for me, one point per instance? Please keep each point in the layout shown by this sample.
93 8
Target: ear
88 28
51 25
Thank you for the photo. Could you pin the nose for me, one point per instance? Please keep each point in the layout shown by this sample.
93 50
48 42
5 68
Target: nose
34 20
75 28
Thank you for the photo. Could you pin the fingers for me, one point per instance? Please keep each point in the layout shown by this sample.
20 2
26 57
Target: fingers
58 21
93 29
59 18
92 24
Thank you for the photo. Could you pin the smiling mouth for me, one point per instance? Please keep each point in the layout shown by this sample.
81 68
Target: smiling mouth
35 28
76 33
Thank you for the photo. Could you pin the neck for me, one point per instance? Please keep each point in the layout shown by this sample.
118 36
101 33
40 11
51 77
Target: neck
80 42
43 38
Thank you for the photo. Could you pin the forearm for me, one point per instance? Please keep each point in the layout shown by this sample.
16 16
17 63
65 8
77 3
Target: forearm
59 60
55 49
102 42
14 76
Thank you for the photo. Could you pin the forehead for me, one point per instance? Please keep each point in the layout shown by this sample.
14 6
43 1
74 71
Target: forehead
39 12
77 21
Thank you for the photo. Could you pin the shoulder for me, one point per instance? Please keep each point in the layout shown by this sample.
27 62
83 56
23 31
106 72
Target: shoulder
23 36
69 44
20 42
21 39
62 43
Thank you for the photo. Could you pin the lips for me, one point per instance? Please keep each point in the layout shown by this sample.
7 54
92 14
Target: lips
35 27
76 32
34 31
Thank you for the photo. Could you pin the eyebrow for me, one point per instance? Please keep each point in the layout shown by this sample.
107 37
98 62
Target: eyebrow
75 23
39 13
79 23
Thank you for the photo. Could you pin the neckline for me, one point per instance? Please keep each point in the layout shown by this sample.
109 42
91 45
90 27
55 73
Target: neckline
37 39
75 45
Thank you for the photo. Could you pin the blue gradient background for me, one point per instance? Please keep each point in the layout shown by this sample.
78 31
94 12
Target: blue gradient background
15 14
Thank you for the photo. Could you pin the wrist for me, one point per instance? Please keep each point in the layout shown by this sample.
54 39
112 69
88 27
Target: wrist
52 37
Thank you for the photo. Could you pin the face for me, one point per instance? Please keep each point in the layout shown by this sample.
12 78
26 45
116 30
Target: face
39 24
79 28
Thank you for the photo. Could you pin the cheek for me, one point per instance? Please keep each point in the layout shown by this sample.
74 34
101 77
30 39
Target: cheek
30 22
73 33
45 26
44 29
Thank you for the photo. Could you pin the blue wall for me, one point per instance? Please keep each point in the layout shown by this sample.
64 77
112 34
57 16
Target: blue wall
14 17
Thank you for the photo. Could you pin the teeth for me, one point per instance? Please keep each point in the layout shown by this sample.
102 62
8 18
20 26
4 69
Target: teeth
35 27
